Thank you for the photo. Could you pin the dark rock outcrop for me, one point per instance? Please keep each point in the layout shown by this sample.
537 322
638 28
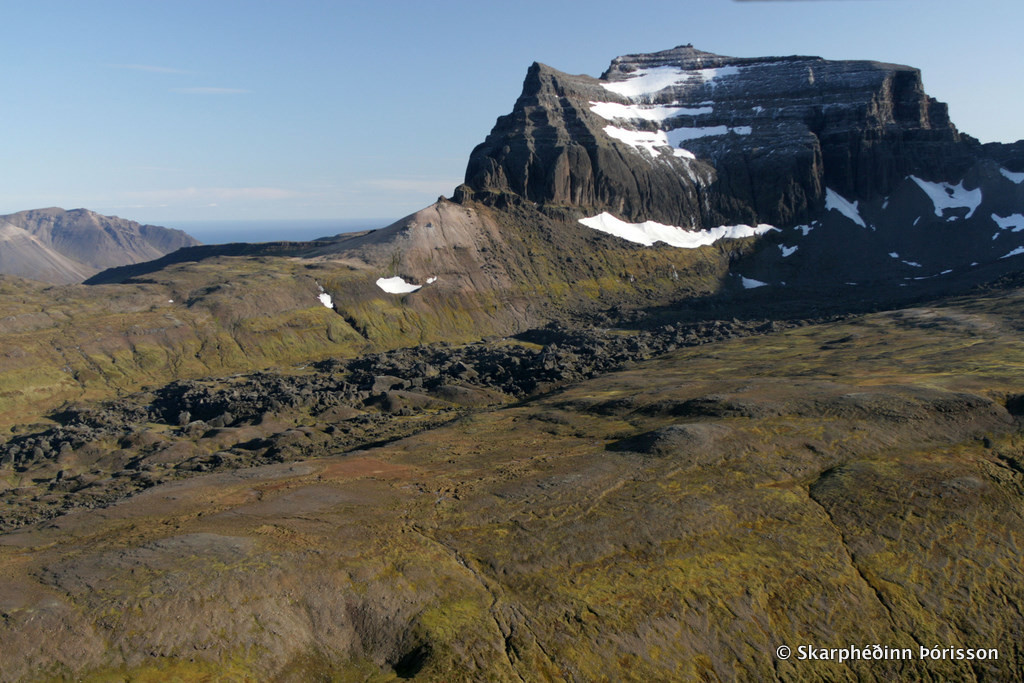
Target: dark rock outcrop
864 175
768 135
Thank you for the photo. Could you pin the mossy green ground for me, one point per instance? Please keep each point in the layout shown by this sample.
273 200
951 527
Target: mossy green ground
834 485
238 314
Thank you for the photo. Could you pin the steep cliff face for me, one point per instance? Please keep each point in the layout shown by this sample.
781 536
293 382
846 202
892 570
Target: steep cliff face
695 139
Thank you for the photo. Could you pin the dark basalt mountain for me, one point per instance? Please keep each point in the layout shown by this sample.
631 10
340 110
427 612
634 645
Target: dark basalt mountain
54 245
699 140
854 176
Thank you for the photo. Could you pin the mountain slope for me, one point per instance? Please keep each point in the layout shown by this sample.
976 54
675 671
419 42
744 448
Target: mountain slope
54 245
696 140
680 179
850 483
24 255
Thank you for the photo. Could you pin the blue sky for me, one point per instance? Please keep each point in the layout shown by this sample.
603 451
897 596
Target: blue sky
164 111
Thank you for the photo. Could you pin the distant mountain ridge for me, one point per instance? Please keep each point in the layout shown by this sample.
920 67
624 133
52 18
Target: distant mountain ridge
63 247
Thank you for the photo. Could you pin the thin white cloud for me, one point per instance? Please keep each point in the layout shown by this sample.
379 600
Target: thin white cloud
425 185
148 67
211 195
211 91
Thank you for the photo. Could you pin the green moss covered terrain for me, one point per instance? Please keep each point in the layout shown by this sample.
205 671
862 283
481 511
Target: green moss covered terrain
223 314
846 483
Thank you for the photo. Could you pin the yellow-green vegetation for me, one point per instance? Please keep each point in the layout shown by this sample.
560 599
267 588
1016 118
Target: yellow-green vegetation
848 484
236 314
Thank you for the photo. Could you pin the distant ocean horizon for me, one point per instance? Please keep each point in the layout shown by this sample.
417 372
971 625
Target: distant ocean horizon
223 232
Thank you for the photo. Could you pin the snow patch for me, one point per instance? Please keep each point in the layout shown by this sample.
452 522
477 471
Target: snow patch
652 141
326 300
431 280
1014 223
396 285
649 112
893 254
678 135
650 232
1010 175
1015 252
649 81
787 251
750 283
946 196
912 264
805 229
835 201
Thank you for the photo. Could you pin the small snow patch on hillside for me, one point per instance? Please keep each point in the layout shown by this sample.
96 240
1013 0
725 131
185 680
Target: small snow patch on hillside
326 300
431 280
1015 252
836 202
912 264
946 196
787 251
893 254
1014 223
751 283
396 285
1010 175
649 232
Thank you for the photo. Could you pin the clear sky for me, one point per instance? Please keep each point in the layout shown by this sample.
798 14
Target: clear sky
172 110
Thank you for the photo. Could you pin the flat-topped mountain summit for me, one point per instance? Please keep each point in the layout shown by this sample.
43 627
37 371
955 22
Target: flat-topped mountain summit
54 245
696 140
724 139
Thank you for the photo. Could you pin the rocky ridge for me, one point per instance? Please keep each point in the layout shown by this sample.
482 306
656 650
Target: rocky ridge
855 150
691 138
58 246
96 454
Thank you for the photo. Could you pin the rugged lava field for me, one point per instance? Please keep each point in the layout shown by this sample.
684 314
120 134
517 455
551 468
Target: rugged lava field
856 482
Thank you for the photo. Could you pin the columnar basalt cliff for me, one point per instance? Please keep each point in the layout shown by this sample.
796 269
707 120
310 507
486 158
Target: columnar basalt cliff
723 139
